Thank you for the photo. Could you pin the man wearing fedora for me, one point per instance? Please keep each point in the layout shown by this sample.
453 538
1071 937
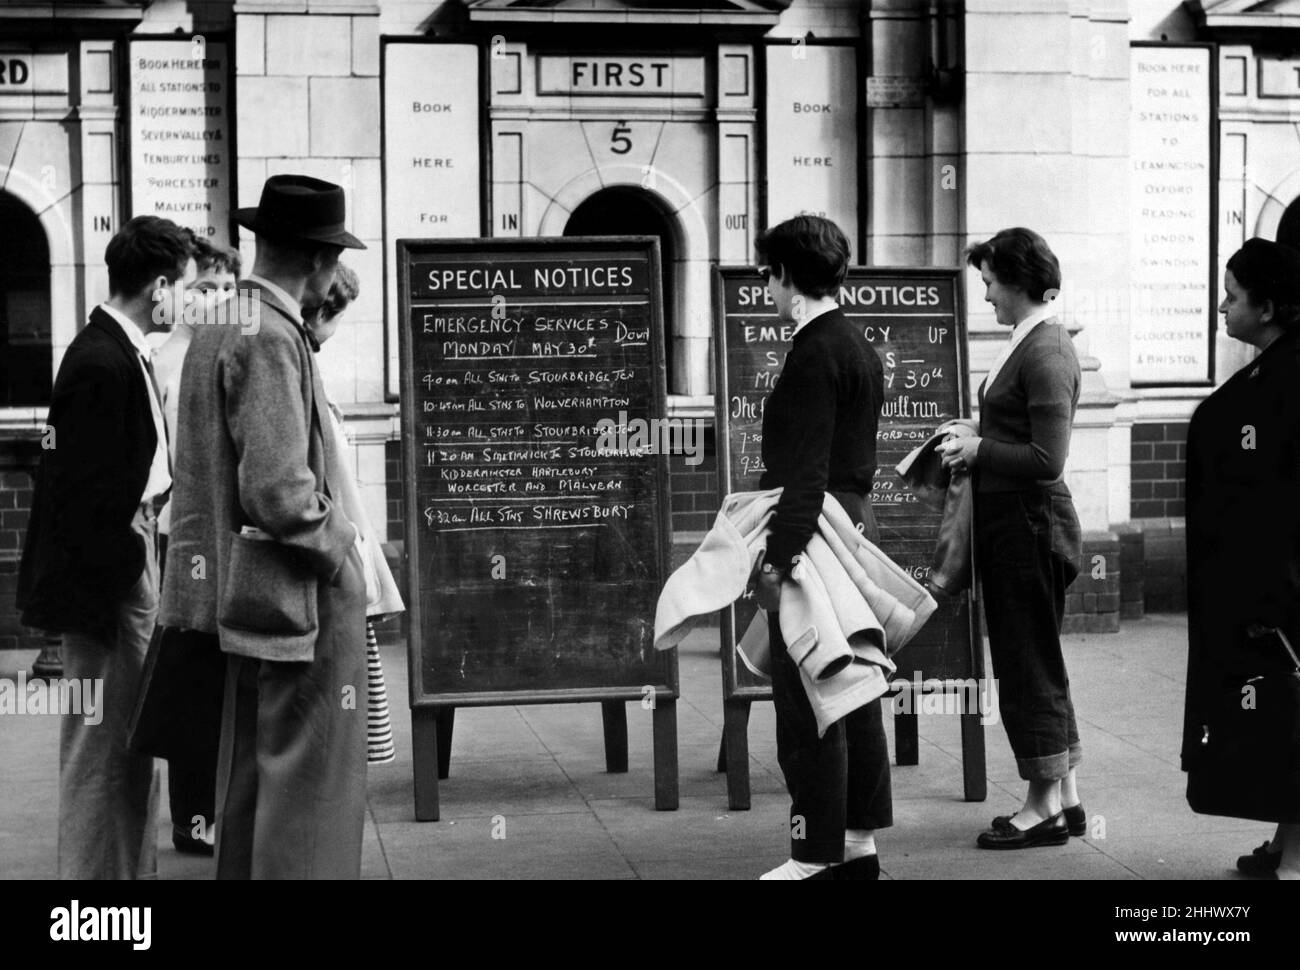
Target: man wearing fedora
262 555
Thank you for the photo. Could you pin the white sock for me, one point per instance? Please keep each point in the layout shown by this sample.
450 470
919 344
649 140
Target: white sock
859 843
794 870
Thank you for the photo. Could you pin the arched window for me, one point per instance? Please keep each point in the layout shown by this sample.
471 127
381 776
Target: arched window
26 361
627 211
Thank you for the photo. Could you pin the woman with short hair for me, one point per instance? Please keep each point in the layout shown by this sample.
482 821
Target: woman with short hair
1027 535
1243 566
819 436
382 596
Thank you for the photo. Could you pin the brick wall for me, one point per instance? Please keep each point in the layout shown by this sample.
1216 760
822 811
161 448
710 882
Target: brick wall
15 505
695 490
1092 601
1159 455
1164 564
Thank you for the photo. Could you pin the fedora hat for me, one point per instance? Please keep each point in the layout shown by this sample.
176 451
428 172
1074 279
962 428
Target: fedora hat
299 207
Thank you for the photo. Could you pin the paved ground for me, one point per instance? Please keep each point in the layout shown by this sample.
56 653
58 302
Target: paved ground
540 771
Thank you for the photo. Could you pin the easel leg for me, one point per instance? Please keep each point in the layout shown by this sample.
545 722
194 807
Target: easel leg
722 752
974 773
665 740
446 721
907 740
614 714
735 745
424 758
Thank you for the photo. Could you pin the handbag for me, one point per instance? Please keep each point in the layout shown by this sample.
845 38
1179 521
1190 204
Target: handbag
1248 765
177 712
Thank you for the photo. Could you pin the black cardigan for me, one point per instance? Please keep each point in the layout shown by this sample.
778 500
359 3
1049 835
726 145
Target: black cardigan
819 427
1027 414
81 556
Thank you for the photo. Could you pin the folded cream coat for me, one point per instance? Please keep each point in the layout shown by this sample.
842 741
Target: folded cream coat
846 607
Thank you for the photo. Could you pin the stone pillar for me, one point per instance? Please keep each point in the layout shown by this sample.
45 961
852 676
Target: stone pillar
1047 148
307 102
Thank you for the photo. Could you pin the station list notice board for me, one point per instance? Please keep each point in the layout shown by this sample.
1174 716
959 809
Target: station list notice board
538 523
915 320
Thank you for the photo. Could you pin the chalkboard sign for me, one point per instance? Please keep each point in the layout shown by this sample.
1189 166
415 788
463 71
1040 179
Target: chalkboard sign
915 320
538 530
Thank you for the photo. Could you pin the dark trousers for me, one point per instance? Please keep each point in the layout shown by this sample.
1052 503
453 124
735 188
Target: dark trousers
192 796
1023 584
191 783
291 776
841 780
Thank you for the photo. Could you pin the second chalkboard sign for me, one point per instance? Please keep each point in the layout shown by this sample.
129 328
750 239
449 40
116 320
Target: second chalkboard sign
538 529
914 318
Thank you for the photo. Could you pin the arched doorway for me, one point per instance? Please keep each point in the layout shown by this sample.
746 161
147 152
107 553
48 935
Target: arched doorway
26 360
628 211
1288 230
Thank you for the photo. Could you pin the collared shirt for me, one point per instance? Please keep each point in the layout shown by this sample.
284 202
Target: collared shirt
290 304
1018 334
160 478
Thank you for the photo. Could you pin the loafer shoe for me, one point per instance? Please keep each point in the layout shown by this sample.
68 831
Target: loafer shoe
855 870
1260 863
1052 831
1076 820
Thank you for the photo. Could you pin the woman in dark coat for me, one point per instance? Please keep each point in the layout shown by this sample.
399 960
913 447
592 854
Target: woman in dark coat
1243 539
1027 535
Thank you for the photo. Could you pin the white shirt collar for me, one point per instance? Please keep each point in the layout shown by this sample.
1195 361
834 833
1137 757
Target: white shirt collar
1021 330
133 332
1018 334
278 292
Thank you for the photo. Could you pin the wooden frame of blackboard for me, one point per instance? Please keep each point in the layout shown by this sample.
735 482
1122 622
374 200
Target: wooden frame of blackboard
733 754
432 713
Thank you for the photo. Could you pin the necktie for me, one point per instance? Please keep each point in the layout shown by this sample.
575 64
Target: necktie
157 396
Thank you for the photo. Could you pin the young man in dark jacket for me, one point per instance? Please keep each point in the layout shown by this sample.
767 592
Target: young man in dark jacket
90 565
819 436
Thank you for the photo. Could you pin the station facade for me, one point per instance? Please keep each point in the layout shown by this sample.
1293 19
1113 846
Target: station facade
1145 139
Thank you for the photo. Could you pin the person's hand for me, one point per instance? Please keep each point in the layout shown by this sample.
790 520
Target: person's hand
959 454
767 590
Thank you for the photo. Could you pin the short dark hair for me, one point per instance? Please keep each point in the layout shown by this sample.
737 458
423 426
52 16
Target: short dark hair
144 249
1269 271
222 258
811 252
343 291
1019 258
